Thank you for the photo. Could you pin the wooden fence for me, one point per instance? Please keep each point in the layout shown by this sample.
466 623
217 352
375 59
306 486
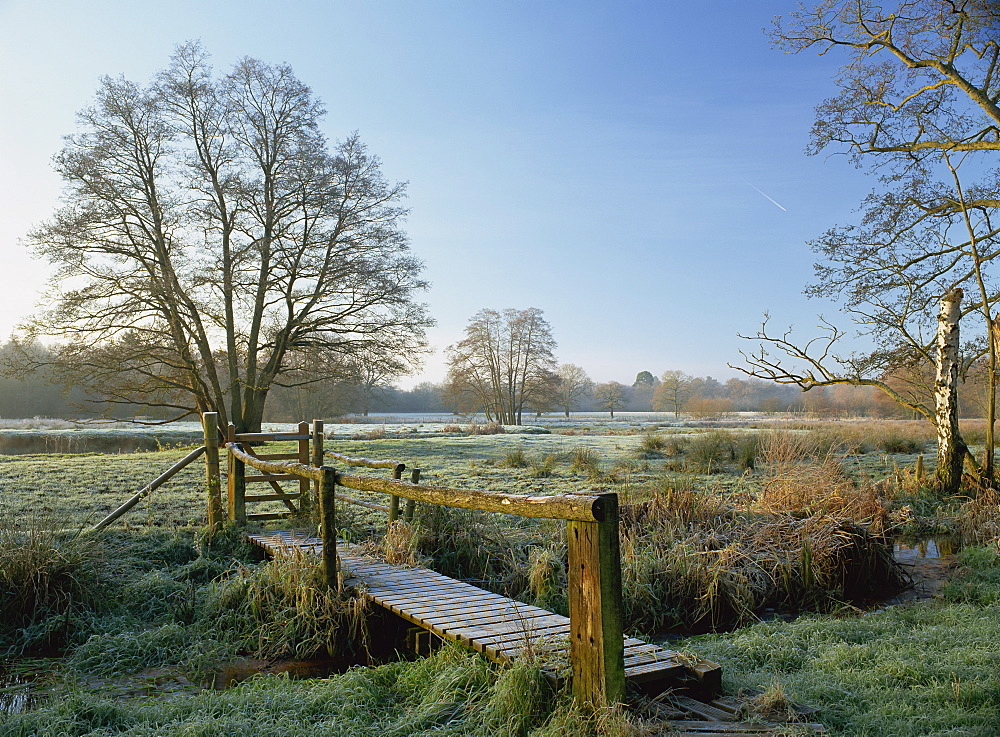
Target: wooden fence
594 569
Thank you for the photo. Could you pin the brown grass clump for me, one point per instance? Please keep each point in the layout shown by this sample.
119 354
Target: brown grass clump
400 545
490 428
827 557
979 519
796 483
773 703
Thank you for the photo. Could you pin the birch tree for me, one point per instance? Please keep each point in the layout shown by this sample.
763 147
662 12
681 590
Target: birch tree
917 103
212 238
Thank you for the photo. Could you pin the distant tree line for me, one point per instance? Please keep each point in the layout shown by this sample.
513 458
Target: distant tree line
523 367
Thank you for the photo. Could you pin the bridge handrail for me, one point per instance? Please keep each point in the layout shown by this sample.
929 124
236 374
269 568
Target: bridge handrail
365 462
276 467
578 507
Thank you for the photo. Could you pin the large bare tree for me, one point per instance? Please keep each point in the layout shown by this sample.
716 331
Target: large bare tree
211 240
918 99
506 362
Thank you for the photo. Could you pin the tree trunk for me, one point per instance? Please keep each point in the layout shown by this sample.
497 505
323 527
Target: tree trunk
951 447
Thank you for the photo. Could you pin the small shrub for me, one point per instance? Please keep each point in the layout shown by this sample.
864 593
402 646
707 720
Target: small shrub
652 445
545 467
899 444
515 458
452 429
710 453
585 460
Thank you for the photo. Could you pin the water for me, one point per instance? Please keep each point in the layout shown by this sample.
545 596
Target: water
15 694
929 548
235 673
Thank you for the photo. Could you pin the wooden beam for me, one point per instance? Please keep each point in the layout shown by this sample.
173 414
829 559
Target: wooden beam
317 456
151 486
304 484
557 506
237 488
328 527
213 474
595 608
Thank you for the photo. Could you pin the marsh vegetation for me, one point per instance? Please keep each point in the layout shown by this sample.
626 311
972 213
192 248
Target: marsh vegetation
774 541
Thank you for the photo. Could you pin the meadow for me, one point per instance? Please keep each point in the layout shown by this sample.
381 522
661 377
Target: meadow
764 547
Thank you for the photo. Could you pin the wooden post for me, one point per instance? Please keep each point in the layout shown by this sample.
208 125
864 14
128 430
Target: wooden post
397 473
410 504
595 608
213 476
305 487
328 526
317 456
237 485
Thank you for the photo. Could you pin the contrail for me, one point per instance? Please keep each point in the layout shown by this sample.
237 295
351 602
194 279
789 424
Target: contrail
773 201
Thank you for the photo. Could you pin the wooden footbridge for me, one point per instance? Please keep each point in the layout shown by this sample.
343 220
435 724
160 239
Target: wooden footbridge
599 659
500 628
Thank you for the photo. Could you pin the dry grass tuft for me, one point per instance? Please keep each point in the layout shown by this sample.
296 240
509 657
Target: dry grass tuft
284 609
795 482
979 519
400 545
822 557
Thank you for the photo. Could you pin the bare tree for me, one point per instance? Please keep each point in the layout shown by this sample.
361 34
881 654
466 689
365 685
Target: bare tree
210 235
505 361
917 100
574 386
673 391
611 396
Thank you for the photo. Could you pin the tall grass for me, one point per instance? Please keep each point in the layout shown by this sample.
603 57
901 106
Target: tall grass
284 609
720 450
47 578
795 481
451 694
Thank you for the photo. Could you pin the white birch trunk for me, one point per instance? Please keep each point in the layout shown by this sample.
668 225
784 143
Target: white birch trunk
951 448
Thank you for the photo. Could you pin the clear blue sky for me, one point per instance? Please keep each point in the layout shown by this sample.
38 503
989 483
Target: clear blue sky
598 160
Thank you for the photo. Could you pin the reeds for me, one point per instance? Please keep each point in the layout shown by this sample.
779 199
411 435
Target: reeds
795 482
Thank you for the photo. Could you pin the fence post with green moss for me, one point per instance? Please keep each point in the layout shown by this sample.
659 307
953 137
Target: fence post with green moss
213 476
